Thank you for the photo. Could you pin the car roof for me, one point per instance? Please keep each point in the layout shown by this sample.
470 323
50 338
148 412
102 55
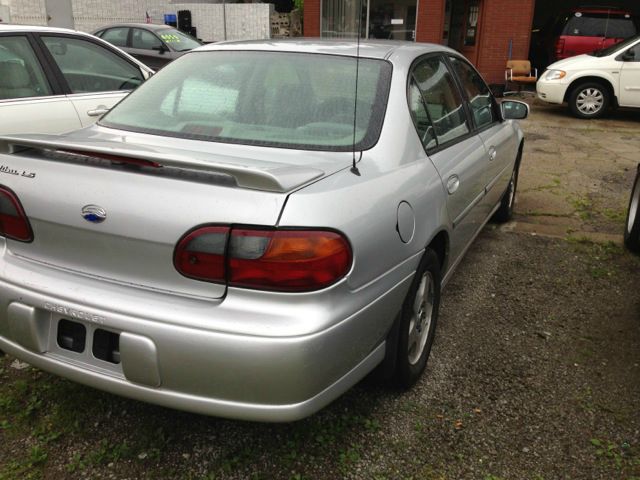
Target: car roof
9 27
367 48
605 10
148 26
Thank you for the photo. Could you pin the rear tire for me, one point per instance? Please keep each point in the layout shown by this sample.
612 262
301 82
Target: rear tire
505 210
589 100
632 227
418 321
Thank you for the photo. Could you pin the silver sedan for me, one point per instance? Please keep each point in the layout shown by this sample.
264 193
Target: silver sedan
257 227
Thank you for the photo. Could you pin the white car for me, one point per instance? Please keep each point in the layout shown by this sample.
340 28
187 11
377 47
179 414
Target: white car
592 83
54 80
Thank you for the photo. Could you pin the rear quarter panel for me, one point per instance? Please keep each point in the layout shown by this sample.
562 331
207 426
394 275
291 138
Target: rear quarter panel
364 206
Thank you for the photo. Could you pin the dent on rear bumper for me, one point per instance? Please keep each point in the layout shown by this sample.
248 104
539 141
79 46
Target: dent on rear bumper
237 375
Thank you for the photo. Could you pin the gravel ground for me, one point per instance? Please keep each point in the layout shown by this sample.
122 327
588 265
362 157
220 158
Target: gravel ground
534 374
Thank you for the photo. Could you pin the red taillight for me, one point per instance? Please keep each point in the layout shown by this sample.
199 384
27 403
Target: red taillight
201 254
560 47
13 221
287 260
277 260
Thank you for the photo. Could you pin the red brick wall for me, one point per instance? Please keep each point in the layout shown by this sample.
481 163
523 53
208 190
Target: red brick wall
429 21
503 20
311 20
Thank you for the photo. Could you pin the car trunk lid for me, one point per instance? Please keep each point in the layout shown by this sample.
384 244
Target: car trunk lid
149 203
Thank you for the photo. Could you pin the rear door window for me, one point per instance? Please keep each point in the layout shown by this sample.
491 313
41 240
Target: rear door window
116 36
442 99
478 94
88 67
21 75
145 40
420 116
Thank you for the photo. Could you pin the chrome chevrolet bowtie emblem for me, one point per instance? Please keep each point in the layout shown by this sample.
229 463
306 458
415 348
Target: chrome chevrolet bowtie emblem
94 213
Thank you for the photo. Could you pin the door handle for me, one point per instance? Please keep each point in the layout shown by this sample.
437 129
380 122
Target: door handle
98 111
493 153
453 184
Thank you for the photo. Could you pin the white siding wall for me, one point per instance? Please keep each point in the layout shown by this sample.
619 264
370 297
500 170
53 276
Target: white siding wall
91 14
28 12
244 21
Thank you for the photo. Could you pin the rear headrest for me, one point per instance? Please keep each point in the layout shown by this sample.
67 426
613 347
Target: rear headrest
13 75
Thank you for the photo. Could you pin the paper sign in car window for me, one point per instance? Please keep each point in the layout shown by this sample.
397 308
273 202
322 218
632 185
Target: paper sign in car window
170 38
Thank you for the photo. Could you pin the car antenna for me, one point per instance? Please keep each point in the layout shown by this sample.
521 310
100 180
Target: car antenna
354 168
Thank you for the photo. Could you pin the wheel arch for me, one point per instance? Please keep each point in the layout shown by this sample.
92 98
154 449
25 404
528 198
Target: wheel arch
605 82
440 245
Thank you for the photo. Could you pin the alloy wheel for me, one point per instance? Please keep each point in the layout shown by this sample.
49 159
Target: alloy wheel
590 101
420 322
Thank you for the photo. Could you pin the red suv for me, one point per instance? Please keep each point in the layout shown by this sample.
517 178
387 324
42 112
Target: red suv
584 30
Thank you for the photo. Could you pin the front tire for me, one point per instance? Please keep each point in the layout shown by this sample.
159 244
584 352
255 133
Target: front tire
632 227
418 321
589 100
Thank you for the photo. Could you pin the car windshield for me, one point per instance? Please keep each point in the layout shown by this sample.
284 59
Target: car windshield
614 48
290 100
177 40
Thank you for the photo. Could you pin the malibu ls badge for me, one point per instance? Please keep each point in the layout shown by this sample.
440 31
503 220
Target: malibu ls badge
94 213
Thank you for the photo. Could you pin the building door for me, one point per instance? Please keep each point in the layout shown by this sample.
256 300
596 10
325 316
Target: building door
392 20
383 19
462 26
59 13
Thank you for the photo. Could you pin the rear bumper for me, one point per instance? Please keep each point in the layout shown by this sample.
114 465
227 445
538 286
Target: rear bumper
262 377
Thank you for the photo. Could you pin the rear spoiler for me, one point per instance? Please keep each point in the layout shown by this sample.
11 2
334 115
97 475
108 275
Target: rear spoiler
248 173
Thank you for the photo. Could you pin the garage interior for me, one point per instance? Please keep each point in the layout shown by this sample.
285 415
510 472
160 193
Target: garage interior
547 11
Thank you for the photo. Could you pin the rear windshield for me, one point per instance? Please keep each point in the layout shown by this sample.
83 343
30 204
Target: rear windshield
599 25
279 99
614 48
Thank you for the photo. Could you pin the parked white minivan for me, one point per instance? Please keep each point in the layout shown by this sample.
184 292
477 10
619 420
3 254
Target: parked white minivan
594 82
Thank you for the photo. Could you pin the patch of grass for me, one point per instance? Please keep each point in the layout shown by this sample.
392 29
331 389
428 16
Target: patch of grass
617 455
600 254
546 214
582 206
585 399
28 467
617 216
550 187
348 458
104 454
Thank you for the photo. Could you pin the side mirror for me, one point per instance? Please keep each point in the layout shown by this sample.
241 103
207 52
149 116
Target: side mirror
160 49
514 110
629 56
